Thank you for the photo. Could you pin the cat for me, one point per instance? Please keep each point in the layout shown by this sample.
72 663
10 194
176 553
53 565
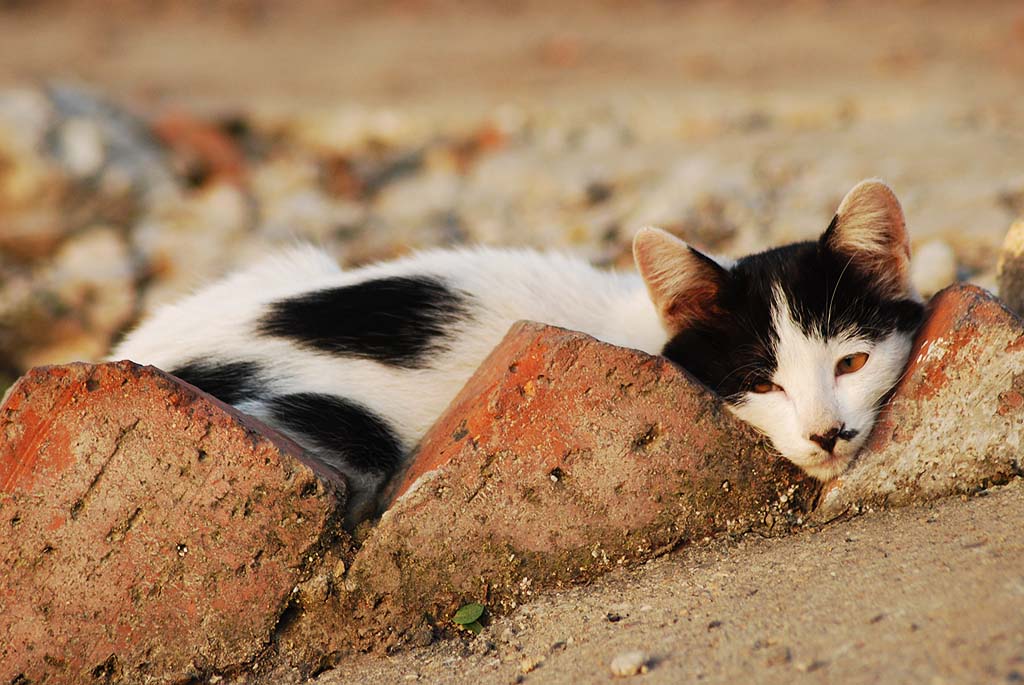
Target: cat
803 341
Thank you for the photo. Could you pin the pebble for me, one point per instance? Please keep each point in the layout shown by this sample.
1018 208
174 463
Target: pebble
932 267
81 143
102 126
92 273
1010 270
630 663
192 240
584 178
530 663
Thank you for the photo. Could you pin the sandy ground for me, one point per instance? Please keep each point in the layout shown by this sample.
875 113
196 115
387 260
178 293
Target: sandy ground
459 55
929 594
933 594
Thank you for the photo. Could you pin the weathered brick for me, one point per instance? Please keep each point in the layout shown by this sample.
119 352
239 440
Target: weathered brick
561 458
955 423
149 533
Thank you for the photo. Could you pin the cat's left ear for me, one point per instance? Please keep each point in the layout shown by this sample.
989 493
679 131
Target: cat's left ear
683 283
869 230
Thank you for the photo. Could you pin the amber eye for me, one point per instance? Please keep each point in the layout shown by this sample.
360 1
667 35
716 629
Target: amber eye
762 387
851 363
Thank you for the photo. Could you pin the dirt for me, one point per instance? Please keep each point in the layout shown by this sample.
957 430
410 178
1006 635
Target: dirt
459 55
927 594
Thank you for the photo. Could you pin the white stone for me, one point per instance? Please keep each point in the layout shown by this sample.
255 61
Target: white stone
932 267
193 240
629 663
1010 274
81 143
93 273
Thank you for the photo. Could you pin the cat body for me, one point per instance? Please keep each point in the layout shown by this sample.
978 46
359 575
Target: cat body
356 365
412 332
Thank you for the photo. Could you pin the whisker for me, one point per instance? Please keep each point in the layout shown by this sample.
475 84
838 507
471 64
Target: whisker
832 299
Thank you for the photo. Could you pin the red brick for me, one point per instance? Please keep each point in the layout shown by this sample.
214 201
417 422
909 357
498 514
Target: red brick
148 531
955 423
561 458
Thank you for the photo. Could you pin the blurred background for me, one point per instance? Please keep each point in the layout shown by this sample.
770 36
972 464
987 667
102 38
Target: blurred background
149 146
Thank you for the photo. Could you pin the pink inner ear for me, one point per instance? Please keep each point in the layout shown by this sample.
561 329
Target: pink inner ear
699 302
870 229
683 283
888 264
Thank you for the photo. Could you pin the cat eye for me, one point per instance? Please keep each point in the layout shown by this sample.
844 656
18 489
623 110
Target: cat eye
761 387
851 363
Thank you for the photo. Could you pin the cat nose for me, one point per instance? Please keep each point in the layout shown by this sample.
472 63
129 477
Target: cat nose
827 440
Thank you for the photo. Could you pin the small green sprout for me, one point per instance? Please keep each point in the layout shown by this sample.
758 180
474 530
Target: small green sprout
468 617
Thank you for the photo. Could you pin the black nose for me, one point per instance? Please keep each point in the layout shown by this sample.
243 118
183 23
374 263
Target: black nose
827 441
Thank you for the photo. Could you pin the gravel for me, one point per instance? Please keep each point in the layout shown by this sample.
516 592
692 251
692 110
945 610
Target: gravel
369 184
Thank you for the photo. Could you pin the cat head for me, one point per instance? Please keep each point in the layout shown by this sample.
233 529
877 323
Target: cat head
802 341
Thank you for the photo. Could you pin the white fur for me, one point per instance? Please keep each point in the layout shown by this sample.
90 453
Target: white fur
507 285
813 399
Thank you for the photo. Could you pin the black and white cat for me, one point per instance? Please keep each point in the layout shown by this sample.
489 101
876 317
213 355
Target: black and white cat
802 341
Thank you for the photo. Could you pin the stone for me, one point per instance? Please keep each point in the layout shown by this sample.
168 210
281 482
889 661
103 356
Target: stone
933 267
92 274
629 663
955 423
189 240
128 147
1010 271
32 188
149 531
200 151
71 308
70 158
80 141
561 458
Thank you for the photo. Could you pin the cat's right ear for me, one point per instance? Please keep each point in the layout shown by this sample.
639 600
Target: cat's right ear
683 283
870 231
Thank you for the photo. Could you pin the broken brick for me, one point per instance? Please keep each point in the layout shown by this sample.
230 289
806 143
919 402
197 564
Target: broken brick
148 531
561 458
955 423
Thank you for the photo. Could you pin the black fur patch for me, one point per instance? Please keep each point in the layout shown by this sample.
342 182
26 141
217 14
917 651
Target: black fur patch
826 295
340 428
397 321
229 382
